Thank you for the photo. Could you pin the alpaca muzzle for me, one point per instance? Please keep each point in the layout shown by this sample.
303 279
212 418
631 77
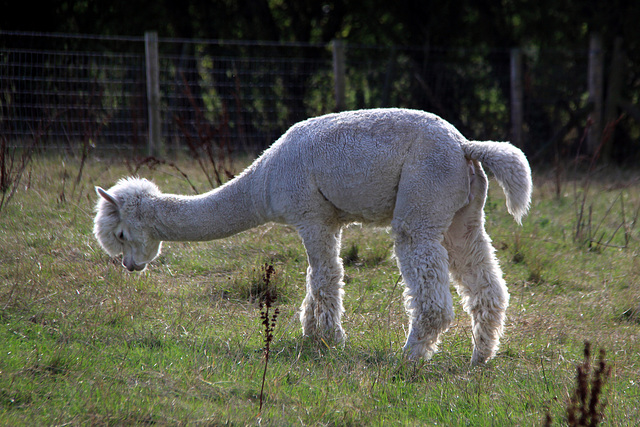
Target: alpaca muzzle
131 265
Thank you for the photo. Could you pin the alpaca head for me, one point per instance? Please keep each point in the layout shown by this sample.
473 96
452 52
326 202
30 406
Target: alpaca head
121 224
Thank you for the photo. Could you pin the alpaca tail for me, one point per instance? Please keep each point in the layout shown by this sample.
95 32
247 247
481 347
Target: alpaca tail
511 169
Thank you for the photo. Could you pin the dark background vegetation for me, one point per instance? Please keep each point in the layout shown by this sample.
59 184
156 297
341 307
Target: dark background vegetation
554 37
453 23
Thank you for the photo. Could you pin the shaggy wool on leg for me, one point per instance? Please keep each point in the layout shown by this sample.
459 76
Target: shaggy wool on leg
476 273
322 309
427 296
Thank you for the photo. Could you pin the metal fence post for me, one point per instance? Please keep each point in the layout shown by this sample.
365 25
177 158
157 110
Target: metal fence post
153 92
517 110
339 73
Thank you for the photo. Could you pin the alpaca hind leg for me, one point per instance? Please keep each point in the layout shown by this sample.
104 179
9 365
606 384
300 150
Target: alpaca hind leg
478 280
433 186
423 264
322 308
477 274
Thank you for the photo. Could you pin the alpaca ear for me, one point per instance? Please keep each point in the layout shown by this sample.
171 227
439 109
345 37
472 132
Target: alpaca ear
108 197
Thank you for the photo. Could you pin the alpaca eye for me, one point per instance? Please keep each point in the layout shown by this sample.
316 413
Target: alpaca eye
120 236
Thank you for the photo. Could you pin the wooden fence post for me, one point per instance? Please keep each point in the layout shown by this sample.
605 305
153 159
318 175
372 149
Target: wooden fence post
596 78
517 107
614 96
339 73
153 92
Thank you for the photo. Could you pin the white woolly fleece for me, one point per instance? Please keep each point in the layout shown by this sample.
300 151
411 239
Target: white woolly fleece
406 168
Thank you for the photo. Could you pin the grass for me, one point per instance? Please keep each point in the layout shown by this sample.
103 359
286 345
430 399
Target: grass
85 342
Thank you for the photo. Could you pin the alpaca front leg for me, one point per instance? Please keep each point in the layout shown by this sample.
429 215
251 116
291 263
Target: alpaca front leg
427 296
321 310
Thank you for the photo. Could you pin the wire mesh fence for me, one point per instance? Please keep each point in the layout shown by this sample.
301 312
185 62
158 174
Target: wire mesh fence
70 90
52 90
246 92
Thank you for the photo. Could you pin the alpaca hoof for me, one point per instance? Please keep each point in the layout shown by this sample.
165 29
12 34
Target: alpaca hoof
418 351
478 358
333 338
321 327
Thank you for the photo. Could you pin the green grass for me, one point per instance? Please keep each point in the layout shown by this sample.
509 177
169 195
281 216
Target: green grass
84 342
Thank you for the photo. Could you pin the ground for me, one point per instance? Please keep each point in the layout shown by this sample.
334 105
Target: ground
84 341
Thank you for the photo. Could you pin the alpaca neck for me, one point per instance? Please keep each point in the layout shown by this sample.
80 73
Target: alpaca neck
220 213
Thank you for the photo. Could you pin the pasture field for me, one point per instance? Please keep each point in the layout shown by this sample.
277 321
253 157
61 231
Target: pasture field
82 341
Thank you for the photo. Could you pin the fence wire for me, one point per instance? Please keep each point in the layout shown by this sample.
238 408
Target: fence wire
67 90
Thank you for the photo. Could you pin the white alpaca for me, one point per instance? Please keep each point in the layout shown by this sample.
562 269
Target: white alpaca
406 168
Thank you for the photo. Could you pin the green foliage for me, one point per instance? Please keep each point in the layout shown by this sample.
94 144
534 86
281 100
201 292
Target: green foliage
85 342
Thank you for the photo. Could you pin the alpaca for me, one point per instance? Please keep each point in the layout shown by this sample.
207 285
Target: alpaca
405 168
